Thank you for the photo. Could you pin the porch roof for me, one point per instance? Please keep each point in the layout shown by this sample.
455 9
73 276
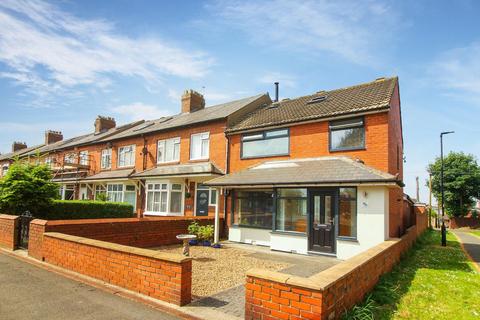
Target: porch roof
312 171
108 175
203 168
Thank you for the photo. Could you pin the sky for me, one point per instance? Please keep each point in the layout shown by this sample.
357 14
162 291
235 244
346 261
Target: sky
62 63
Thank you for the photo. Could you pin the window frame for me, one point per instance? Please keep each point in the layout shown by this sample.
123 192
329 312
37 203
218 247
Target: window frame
234 199
263 138
277 197
103 155
330 130
337 215
169 191
201 141
164 141
119 156
210 197
83 158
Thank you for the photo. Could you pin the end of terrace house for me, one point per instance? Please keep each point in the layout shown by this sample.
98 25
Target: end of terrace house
317 174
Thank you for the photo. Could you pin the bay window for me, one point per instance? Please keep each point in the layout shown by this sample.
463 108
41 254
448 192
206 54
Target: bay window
106 161
126 156
291 210
168 150
347 134
347 217
164 198
115 192
253 208
199 146
265 143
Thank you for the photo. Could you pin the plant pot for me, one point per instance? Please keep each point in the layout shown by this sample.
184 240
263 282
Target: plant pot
193 242
217 246
207 243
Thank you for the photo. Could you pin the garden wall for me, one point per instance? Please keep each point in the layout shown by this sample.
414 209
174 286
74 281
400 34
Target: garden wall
464 222
328 294
135 232
163 276
8 231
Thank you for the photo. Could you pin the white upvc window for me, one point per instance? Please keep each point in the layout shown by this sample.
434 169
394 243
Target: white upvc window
212 199
168 150
115 192
5 169
70 158
49 161
106 161
199 146
126 156
83 155
164 198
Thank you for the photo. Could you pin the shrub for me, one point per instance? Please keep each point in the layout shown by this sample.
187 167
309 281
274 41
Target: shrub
193 228
206 232
85 209
27 187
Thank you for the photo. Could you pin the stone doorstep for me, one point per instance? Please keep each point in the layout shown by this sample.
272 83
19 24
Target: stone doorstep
169 257
186 312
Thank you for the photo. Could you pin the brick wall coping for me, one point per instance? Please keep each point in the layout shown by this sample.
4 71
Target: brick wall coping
176 258
324 279
116 220
8 217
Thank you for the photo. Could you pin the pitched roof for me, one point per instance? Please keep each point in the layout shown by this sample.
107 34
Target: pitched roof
19 153
364 97
181 169
316 171
216 112
113 174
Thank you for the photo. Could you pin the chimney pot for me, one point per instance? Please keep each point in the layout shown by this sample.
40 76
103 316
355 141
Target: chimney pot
18 146
192 101
103 124
276 92
53 136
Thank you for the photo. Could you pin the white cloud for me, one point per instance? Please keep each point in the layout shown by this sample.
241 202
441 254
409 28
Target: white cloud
350 29
284 79
458 71
48 50
140 111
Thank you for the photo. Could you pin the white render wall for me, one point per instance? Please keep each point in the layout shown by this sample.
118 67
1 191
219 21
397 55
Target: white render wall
372 222
254 236
289 243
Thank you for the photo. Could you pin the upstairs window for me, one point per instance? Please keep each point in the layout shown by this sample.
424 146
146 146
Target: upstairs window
168 150
347 134
5 169
266 143
83 155
49 161
199 146
71 158
126 156
106 162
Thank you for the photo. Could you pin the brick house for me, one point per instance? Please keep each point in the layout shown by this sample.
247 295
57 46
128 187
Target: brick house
320 173
158 166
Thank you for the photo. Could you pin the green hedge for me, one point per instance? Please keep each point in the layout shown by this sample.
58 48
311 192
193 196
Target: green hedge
85 209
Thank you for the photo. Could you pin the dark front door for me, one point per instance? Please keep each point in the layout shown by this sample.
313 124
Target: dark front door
202 202
322 221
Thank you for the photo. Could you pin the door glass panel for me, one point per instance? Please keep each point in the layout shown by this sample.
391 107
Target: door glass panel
316 210
328 210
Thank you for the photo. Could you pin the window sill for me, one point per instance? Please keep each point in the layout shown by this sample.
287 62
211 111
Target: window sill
347 239
348 149
126 167
160 164
290 233
199 160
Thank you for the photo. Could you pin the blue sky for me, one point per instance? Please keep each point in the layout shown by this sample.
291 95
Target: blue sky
64 62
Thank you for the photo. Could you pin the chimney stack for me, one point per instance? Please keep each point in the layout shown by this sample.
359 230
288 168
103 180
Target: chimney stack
276 92
103 124
18 146
192 101
53 136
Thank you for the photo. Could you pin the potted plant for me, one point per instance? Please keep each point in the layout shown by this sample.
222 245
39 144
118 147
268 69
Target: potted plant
193 228
207 235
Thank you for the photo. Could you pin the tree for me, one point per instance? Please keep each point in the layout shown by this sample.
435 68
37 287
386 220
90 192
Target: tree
27 187
461 182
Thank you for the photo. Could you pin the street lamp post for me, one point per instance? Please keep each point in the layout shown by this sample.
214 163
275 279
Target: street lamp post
444 230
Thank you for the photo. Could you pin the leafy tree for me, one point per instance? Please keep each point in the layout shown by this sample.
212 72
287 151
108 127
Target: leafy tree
27 187
461 182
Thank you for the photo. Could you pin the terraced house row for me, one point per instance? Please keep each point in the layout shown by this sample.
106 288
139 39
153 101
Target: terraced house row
315 174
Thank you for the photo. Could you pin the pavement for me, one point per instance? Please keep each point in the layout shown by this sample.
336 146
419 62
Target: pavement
471 244
30 292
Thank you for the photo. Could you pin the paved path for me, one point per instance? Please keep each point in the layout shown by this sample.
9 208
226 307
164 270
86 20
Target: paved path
29 292
471 244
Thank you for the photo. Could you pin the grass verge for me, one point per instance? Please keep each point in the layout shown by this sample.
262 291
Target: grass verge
475 232
431 282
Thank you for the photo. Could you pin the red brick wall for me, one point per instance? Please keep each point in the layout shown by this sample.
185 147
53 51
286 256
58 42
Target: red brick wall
136 232
326 295
166 278
8 231
464 222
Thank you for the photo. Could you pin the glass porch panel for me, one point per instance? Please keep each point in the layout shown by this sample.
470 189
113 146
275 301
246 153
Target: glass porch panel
316 210
328 210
